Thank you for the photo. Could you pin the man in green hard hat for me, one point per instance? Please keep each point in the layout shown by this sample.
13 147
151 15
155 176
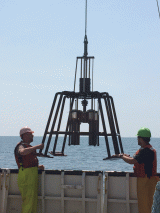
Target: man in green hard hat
145 169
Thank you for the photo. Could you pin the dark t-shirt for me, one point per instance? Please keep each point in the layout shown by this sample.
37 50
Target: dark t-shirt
146 156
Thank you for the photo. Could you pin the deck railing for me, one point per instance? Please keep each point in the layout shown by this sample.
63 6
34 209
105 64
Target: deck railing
74 192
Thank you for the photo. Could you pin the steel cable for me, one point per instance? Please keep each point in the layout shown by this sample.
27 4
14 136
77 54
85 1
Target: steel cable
158 8
86 19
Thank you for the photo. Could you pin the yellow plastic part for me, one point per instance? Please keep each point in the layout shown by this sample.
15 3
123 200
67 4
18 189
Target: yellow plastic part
145 192
28 186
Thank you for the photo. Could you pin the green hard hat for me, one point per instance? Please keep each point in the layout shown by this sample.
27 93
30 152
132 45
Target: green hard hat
144 132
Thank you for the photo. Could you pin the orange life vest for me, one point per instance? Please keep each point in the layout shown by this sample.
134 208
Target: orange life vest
139 170
26 161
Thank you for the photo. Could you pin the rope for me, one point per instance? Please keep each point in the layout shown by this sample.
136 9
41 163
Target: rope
86 19
156 199
158 8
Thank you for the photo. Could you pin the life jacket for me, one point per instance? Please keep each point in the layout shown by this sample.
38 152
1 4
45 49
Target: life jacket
26 161
139 170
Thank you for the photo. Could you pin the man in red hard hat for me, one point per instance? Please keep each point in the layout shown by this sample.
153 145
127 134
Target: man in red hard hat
145 169
26 159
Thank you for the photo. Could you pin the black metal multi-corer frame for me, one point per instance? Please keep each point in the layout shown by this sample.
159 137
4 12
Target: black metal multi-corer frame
76 116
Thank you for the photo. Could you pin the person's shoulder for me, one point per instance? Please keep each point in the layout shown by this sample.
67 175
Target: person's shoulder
21 146
143 151
149 149
18 147
18 144
152 148
148 152
140 150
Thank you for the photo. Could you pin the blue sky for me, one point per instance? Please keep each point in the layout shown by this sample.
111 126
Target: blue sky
39 43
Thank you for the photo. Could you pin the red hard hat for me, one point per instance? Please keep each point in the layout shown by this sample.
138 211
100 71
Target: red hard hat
25 130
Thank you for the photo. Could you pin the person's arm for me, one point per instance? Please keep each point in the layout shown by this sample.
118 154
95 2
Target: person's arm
127 159
127 155
26 151
141 157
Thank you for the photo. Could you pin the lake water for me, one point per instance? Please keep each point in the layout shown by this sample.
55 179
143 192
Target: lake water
82 157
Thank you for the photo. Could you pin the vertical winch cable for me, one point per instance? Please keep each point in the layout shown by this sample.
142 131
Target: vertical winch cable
85 51
158 8
86 19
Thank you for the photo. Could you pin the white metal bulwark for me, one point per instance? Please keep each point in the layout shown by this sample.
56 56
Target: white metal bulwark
73 192
83 192
105 192
120 193
42 191
2 188
62 192
100 193
59 191
127 193
7 176
4 182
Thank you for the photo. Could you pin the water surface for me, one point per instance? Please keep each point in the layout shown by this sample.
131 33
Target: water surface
82 157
